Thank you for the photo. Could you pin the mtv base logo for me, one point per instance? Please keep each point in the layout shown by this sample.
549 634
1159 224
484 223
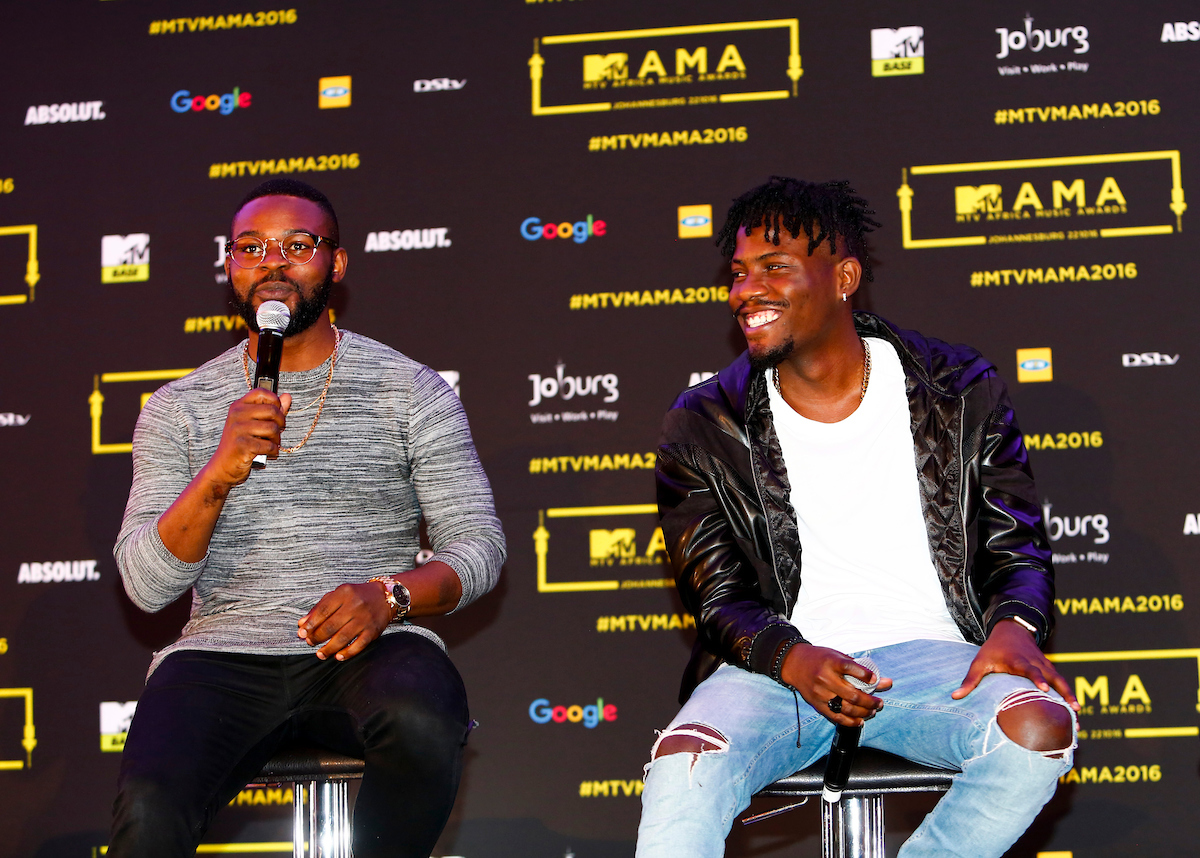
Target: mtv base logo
897 52
115 719
125 258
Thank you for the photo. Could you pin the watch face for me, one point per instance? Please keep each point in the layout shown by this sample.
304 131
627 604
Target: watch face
402 597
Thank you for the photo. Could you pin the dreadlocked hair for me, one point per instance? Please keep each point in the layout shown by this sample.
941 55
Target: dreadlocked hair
828 211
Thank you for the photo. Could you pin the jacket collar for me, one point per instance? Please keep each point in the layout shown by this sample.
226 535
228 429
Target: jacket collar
942 367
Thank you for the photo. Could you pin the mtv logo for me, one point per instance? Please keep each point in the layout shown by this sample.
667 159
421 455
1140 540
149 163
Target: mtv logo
132 249
598 67
450 376
969 199
116 717
888 44
612 544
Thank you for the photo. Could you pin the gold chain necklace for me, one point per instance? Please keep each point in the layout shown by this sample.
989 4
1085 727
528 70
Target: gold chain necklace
862 394
319 401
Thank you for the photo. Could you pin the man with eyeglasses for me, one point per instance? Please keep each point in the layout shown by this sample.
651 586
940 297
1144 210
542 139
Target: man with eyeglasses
313 554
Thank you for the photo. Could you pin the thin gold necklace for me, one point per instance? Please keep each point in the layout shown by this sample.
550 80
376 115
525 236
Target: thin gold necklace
319 401
862 394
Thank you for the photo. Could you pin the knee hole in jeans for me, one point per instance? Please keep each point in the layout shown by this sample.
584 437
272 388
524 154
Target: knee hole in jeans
1038 722
689 739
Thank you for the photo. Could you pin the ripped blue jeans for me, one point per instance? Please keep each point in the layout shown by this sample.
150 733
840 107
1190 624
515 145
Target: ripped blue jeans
690 800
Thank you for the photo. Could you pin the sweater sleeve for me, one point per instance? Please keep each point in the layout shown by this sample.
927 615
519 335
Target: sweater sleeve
452 489
152 575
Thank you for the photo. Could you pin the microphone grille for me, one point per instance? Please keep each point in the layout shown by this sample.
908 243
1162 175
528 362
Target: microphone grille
273 316
869 664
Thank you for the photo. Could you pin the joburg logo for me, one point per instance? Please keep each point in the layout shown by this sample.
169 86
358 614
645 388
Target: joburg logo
183 101
125 258
1148 359
115 719
407 239
986 202
899 51
566 387
58 571
71 111
580 231
1181 31
333 92
695 221
1036 41
1034 365
439 84
1058 526
541 712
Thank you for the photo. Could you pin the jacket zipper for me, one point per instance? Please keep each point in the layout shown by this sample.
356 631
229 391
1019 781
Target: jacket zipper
767 520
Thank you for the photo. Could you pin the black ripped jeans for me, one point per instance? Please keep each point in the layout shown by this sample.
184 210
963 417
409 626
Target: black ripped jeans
208 721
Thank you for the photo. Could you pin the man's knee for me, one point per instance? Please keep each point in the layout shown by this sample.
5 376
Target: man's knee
1036 722
689 739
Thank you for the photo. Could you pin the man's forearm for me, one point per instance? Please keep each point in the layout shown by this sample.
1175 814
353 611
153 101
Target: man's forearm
187 525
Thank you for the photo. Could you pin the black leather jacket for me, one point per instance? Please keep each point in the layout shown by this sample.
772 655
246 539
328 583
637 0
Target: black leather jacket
723 496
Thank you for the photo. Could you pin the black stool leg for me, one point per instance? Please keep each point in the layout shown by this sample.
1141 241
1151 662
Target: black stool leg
852 827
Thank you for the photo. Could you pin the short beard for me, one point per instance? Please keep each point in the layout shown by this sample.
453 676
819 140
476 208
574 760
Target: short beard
772 357
308 311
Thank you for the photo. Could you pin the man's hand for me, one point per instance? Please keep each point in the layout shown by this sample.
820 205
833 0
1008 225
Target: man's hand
818 674
253 427
346 620
1010 648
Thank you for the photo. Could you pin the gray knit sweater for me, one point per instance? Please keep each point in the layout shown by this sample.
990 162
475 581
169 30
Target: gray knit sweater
392 446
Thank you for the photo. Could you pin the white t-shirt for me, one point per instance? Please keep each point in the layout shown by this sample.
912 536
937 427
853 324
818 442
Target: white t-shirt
867 579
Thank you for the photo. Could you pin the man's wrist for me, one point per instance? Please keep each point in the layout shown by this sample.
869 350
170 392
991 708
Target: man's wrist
1025 624
397 595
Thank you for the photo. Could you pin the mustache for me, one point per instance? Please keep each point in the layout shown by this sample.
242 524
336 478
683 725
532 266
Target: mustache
274 277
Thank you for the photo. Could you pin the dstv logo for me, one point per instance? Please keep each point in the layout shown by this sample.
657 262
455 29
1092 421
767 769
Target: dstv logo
695 221
1034 365
333 92
1148 359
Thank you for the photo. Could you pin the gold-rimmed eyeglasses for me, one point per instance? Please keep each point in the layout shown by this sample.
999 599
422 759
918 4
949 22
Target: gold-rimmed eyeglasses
298 248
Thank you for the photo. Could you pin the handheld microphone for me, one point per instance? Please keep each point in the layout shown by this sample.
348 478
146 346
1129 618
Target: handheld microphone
273 318
845 741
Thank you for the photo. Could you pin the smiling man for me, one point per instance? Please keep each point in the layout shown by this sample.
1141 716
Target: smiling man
302 574
848 489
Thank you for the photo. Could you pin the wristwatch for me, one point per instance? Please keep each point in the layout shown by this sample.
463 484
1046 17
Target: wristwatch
397 595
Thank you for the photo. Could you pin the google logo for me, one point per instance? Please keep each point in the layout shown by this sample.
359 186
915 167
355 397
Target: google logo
182 101
532 229
542 712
